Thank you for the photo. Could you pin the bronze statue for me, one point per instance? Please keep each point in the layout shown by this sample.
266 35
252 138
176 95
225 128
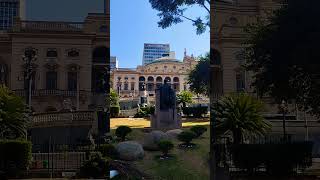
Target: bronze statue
167 96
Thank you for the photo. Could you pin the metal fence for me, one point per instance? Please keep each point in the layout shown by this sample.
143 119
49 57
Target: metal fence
59 158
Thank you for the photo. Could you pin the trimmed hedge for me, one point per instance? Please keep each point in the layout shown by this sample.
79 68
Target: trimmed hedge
95 167
186 136
123 131
197 111
114 111
108 150
15 157
198 130
278 158
165 146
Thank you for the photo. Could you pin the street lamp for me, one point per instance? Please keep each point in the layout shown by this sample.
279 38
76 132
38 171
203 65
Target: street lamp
131 96
284 109
28 57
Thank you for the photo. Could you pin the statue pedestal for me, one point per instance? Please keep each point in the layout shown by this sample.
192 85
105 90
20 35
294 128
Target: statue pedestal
165 119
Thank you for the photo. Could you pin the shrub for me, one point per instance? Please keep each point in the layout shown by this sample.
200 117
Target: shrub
165 146
114 111
95 167
140 114
187 111
198 130
15 157
186 136
122 132
145 111
108 150
197 111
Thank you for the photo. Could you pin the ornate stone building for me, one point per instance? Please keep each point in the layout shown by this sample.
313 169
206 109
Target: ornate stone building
70 63
130 83
229 18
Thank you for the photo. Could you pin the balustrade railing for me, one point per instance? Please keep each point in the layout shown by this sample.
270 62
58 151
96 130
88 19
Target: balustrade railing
51 26
53 92
77 117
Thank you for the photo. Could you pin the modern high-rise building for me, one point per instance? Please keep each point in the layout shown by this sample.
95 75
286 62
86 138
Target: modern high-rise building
9 9
113 62
152 52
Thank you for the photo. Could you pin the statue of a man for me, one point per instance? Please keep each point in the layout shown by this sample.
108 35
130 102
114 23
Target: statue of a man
167 96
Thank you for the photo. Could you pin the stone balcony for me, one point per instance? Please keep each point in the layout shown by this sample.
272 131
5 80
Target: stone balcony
58 119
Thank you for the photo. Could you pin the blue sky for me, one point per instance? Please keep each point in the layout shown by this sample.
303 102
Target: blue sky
62 10
134 23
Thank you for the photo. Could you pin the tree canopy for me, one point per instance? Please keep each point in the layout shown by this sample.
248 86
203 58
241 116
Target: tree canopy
283 53
184 97
114 98
199 77
13 115
172 12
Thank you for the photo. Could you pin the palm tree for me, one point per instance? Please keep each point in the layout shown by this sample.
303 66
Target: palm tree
184 97
240 114
13 114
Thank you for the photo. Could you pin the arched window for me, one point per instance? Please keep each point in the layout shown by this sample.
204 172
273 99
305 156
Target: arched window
159 79
150 79
141 78
168 79
175 79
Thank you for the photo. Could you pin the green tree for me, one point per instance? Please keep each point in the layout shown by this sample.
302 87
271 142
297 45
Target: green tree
114 98
199 77
240 114
173 12
184 97
283 53
13 115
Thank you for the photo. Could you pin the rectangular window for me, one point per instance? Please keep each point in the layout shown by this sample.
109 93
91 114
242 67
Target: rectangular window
132 86
51 80
72 81
240 80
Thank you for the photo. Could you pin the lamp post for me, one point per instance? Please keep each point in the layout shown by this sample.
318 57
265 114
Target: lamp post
28 57
284 109
131 96
2 76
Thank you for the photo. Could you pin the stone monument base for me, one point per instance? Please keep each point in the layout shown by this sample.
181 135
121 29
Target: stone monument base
169 119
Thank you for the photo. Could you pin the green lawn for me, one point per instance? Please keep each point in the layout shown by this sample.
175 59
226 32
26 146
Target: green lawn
187 164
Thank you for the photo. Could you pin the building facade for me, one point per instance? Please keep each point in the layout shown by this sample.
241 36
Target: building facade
70 63
131 83
113 62
9 9
151 52
227 37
